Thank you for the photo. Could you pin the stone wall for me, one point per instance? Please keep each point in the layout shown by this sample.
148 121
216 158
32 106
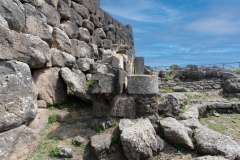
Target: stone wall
51 47
200 78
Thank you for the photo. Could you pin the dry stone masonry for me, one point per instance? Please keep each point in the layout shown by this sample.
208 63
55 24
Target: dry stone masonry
52 48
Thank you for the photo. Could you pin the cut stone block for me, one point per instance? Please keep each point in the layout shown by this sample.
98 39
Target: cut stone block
142 84
117 61
139 65
123 106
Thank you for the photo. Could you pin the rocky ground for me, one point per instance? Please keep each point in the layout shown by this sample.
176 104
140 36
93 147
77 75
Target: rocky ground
71 118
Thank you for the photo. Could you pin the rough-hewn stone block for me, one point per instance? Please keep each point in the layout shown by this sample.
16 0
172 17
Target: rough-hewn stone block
142 84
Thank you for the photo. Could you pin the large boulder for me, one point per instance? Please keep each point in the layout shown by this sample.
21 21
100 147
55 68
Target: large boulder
16 99
51 87
36 23
62 59
232 85
210 142
61 40
100 144
138 139
17 143
171 104
23 47
12 11
210 158
76 81
176 133
53 18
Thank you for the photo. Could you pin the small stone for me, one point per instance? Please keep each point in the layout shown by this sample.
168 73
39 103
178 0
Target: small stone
78 140
66 152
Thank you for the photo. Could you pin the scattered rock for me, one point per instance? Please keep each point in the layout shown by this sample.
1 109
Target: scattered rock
17 143
138 139
100 144
176 133
210 142
66 152
41 104
179 89
78 140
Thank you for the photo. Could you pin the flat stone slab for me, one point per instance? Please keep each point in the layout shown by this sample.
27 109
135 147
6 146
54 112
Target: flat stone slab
142 84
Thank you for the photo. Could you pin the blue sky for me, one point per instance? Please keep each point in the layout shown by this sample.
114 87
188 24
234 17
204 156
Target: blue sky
181 32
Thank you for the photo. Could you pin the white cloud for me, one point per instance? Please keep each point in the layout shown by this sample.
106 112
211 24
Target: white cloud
215 25
142 11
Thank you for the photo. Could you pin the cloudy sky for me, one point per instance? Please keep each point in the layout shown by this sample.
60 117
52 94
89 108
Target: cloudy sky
181 32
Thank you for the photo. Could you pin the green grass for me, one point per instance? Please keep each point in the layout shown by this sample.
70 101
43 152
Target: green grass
90 82
52 118
168 90
184 108
227 124
98 128
54 152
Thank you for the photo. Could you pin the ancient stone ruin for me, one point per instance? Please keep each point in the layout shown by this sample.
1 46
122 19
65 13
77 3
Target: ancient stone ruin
53 48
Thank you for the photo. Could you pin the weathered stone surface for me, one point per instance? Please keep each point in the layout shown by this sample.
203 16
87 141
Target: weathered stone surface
192 123
146 104
16 98
13 14
117 61
79 140
171 104
106 83
100 144
66 152
100 32
89 4
84 64
99 13
64 10
160 143
138 139
80 49
179 89
75 17
53 17
107 44
50 85
97 40
95 20
210 142
41 103
17 143
108 17
210 158
139 65
123 106
176 133
142 84
54 3
61 40
70 28
62 59
23 47
36 23
81 10
41 120
84 35
89 25
232 85
76 81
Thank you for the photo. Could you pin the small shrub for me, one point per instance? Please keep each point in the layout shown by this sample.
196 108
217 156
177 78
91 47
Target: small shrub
90 82
184 108
55 151
98 128
51 108
52 118
174 66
